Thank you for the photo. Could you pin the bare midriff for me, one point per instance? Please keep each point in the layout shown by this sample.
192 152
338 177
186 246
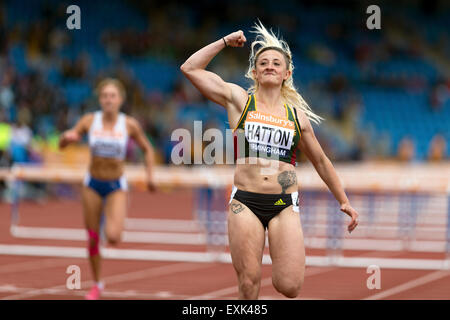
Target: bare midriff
106 168
265 176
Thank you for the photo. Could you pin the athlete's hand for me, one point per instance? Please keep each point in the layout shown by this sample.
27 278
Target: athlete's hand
235 39
347 208
68 137
151 186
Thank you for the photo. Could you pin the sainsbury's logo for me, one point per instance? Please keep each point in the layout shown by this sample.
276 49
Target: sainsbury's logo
107 134
270 119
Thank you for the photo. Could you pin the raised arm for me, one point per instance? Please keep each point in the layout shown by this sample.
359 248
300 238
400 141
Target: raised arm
75 134
314 152
211 85
138 135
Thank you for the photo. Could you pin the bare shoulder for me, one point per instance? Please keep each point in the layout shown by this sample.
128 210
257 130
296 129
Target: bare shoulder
131 120
85 122
133 124
88 116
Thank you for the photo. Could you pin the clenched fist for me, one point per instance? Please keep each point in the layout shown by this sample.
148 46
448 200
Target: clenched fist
235 39
68 137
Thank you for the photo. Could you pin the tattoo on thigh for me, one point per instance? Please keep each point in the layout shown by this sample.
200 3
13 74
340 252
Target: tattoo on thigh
236 207
287 179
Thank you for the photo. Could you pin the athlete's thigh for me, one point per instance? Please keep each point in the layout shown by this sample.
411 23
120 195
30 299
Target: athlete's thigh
116 209
286 245
246 237
92 207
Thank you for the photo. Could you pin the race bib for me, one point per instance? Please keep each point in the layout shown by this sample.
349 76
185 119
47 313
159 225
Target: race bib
267 133
107 144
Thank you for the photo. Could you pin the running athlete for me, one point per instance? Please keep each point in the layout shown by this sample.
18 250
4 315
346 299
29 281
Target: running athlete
105 187
271 121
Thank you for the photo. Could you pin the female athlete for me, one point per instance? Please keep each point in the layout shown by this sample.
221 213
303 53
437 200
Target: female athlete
105 187
270 120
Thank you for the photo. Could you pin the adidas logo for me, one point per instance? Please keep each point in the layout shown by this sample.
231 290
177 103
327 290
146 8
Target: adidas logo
279 203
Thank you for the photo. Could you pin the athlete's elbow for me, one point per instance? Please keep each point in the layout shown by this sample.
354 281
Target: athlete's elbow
319 160
321 163
185 68
149 153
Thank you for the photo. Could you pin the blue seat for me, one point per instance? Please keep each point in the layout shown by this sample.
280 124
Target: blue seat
76 92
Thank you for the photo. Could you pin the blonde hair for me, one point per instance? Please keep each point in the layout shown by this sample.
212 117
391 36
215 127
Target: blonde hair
113 82
269 41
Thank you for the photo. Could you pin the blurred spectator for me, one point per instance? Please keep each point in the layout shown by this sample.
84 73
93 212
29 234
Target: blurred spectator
406 150
21 136
438 149
337 63
5 139
360 150
438 95
3 37
6 92
76 70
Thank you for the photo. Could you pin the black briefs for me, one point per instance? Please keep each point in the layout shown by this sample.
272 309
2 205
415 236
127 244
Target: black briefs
265 206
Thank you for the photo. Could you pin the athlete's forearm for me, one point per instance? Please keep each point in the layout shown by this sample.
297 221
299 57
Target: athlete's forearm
328 174
149 159
201 58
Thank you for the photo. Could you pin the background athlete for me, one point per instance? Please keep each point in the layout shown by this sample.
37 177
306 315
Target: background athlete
271 121
105 187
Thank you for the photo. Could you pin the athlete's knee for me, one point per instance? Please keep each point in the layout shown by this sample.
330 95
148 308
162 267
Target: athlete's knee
249 282
114 239
292 290
288 287
113 236
93 242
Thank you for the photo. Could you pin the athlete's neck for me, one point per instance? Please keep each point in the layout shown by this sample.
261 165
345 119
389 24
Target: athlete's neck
110 117
270 97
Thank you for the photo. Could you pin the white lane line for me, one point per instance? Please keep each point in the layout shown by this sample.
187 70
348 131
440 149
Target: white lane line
13 288
409 285
264 282
268 281
33 265
127 294
105 294
130 276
